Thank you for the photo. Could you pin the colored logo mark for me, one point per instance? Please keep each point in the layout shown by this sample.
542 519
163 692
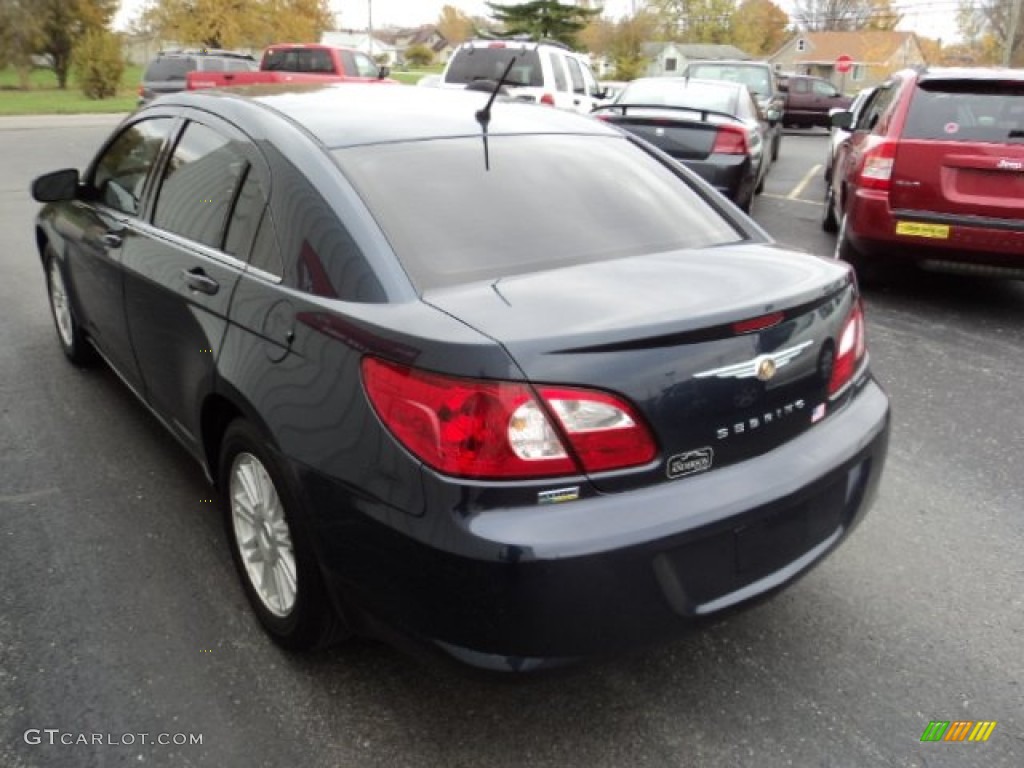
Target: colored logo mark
958 730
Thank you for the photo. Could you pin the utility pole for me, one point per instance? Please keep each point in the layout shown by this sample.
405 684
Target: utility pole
1011 35
370 27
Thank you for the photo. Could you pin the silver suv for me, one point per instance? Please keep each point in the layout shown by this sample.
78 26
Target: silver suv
543 72
166 73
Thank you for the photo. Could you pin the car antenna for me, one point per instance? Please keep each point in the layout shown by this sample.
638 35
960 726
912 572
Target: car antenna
483 116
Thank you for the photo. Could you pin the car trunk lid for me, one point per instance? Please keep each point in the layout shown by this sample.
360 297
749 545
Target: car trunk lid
683 336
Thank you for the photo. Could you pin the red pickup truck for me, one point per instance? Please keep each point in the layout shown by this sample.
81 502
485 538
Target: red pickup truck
299 63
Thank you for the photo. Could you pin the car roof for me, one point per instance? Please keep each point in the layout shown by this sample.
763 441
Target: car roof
687 81
733 63
970 73
350 114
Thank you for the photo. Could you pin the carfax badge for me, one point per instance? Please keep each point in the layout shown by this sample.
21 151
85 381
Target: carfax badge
689 463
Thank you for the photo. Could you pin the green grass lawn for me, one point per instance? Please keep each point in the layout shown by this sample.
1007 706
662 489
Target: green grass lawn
44 97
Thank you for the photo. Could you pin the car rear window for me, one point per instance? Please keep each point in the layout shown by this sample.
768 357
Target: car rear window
680 93
546 202
471 63
175 68
755 78
987 112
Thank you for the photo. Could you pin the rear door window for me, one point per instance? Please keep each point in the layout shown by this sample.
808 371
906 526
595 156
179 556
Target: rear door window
576 75
199 185
967 111
561 83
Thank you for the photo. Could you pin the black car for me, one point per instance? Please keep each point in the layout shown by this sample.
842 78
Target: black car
714 128
166 73
762 80
524 394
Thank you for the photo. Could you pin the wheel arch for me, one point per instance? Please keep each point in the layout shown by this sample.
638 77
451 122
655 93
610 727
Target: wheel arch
218 410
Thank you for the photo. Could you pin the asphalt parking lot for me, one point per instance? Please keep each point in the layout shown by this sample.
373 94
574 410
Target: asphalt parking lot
120 612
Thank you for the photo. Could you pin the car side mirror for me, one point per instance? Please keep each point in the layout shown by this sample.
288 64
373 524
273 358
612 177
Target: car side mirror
383 72
842 120
56 186
773 114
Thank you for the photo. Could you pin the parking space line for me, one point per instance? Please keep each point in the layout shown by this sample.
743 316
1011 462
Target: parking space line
799 188
791 199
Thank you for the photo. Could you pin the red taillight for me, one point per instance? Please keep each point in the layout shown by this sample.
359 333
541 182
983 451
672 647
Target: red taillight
876 170
850 348
730 141
498 429
548 99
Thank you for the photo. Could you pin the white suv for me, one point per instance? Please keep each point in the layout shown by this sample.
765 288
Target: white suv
544 73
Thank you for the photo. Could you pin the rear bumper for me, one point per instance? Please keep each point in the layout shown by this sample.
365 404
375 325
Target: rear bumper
872 223
518 588
732 175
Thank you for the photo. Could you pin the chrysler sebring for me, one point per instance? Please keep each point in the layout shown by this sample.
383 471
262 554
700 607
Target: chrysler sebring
499 379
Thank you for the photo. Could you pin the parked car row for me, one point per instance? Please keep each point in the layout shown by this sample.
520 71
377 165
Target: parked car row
512 383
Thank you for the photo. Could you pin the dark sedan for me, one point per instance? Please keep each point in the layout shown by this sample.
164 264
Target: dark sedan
713 127
507 382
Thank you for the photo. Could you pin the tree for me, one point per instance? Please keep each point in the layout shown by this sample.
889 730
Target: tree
989 22
19 36
99 63
62 23
838 15
233 24
759 27
454 25
883 16
695 21
419 55
543 19
630 34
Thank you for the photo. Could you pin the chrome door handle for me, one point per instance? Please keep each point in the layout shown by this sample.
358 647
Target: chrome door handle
197 280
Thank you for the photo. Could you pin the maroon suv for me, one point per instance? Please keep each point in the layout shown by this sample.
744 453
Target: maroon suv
932 173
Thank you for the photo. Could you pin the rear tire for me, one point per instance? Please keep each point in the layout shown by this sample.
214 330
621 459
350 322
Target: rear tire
69 333
271 545
777 145
866 269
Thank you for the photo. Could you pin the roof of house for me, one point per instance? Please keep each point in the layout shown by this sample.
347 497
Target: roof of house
696 50
357 40
867 46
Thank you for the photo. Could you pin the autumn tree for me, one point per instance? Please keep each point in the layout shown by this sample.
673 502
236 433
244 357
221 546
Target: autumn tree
454 25
843 15
61 24
626 48
419 55
695 21
99 63
226 24
543 19
989 23
20 34
759 27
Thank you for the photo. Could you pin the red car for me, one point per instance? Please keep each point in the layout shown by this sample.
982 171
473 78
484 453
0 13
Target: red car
932 174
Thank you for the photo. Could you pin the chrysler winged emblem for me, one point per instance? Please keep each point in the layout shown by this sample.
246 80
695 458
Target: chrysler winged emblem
763 367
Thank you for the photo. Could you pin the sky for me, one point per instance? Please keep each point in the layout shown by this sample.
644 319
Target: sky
931 18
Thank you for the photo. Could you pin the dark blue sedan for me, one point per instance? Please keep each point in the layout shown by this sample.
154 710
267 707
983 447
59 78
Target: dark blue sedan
506 381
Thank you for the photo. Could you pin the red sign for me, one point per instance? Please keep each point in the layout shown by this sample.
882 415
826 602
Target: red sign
844 64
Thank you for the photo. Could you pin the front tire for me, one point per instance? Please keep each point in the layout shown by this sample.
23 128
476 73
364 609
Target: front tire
829 223
271 546
69 333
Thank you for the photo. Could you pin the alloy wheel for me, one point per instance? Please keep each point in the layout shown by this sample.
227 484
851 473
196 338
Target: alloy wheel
59 302
262 534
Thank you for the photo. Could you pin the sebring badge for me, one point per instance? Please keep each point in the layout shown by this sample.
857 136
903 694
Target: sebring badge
763 367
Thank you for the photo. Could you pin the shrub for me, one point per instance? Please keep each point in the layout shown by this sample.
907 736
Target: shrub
419 55
99 64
